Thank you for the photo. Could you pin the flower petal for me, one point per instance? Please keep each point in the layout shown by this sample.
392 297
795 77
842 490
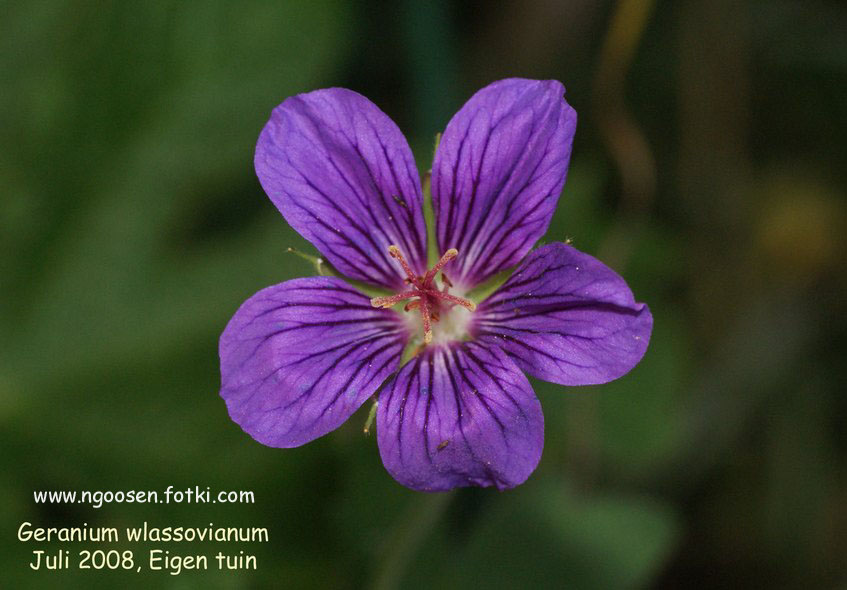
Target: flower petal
341 173
498 173
298 358
460 416
566 317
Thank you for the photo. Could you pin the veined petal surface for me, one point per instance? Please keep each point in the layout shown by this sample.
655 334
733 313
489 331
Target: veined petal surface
342 174
298 358
460 415
566 317
498 172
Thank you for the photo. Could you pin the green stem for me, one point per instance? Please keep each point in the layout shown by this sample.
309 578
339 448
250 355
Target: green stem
416 524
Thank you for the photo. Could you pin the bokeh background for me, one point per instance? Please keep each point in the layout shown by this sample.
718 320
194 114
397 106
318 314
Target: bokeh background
709 169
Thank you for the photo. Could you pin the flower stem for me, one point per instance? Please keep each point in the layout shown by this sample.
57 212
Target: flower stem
413 528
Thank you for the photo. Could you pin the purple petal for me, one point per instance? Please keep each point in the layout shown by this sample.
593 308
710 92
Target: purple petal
498 173
460 416
566 317
298 358
343 176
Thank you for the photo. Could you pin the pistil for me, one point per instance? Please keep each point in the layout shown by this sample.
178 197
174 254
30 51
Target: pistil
395 253
427 297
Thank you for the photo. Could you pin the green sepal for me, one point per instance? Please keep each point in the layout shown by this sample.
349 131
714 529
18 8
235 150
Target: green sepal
314 260
371 415
325 269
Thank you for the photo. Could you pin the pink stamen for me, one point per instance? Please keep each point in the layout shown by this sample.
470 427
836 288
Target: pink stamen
426 292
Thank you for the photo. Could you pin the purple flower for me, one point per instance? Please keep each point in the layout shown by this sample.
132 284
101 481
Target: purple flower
299 358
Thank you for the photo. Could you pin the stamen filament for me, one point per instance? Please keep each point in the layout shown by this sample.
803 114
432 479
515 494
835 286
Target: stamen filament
426 294
448 256
427 326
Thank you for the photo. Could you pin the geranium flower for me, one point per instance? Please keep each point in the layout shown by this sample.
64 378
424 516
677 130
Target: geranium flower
298 358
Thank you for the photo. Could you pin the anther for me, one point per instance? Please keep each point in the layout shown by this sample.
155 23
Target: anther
391 300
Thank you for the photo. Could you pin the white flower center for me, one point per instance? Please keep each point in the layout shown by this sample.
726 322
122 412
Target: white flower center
452 325
435 304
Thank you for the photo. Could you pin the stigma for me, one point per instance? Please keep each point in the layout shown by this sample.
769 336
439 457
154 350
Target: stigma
426 298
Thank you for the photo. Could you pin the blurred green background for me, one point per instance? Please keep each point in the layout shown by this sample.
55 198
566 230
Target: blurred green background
709 168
